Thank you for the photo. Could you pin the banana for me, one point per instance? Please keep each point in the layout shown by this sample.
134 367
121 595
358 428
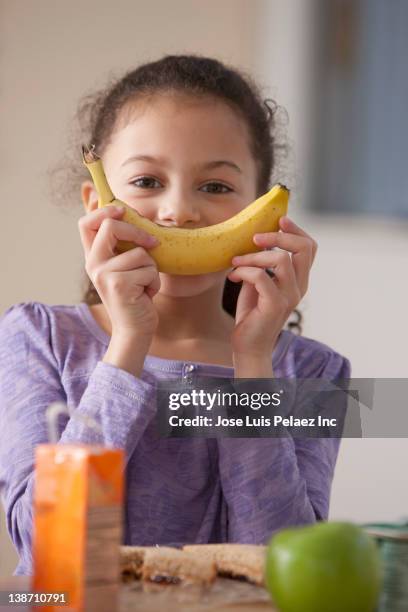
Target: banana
202 250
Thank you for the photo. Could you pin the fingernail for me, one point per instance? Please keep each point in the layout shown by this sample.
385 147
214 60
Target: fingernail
120 208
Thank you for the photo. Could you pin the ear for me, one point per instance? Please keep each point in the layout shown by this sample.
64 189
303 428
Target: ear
89 196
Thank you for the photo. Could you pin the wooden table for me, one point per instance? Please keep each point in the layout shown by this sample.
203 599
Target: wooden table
225 595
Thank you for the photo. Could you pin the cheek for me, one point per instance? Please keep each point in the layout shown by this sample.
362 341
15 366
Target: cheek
143 207
227 210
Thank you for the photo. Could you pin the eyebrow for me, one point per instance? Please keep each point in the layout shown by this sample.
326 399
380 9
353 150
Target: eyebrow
208 166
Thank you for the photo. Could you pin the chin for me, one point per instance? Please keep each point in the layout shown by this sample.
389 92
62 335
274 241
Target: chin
189 284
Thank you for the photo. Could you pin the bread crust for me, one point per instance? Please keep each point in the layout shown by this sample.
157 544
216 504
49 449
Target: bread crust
131 561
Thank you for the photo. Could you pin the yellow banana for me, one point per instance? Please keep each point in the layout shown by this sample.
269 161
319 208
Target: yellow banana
202 250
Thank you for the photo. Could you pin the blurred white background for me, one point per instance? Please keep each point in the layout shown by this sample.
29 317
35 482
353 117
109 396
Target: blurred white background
51 53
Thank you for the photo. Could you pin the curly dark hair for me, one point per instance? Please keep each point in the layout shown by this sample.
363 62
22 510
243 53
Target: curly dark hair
194 75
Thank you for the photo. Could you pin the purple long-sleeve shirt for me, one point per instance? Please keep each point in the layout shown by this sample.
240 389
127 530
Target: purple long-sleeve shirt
194 490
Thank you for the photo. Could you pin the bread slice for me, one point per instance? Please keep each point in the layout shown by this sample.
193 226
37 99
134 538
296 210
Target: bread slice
170 565
131 561
234 560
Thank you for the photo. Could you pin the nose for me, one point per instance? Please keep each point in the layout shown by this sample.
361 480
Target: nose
178 209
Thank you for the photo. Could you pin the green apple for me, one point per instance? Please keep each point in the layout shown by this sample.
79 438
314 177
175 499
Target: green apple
324 567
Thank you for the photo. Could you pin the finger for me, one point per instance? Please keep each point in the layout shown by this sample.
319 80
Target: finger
282 266
132 282
302 256
129 260
110 232
289 241
288 226
154 286
265 286
90 223
286 221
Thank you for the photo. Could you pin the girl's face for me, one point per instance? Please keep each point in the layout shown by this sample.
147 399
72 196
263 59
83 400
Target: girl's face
182 162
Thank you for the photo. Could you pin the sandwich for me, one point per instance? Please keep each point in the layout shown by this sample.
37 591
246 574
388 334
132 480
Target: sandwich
245 561
165 565
194 563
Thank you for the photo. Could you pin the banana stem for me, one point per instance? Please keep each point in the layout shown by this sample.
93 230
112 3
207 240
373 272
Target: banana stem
94 165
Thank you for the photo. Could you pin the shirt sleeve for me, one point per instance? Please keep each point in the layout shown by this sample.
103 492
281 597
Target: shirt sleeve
30 381
273 483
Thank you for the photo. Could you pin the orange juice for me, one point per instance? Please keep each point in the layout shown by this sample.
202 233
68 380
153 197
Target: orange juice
77 525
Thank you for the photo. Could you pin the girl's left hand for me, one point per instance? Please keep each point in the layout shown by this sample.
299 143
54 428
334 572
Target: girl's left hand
265 303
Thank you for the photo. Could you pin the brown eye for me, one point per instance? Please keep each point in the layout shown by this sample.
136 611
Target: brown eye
217 185
145 182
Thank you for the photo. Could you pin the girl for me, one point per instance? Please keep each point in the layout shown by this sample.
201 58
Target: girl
187 142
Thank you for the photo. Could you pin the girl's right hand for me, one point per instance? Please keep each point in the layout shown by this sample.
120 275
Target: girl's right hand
125 282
